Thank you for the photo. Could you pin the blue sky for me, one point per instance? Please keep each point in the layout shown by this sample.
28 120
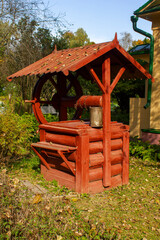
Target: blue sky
101 18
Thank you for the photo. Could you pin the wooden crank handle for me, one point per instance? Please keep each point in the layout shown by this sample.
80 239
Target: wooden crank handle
30 101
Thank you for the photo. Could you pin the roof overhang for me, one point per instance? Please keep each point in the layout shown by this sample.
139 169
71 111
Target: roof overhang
149 11
76 59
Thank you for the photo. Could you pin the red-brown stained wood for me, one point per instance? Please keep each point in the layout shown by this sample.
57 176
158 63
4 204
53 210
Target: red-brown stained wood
63 130
97 173
82 163
96 159
42 157
116 156
58 163
60 139
53 146
97 186
89 101
42 135
125 163
95 147
106 123
64 179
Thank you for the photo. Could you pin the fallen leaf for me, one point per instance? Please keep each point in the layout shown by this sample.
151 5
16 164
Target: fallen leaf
16 180
59 237
37 199
4 171
74 199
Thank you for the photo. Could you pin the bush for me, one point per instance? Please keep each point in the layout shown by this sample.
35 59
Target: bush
144 150
16 133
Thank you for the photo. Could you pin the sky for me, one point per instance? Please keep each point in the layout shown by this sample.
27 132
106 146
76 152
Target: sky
100 18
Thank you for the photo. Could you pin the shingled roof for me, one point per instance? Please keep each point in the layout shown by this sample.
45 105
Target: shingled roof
76 58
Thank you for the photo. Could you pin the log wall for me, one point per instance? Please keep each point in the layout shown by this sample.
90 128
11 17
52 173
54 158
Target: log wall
88 159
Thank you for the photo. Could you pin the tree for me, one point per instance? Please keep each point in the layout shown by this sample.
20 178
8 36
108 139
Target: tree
24 37
140 42
68 39
126 40
80 38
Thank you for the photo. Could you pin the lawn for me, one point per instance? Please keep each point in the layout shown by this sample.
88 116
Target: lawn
126 212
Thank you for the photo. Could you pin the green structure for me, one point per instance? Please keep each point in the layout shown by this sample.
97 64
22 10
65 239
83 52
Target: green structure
145 112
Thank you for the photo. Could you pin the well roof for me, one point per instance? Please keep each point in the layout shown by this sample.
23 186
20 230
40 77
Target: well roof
75 59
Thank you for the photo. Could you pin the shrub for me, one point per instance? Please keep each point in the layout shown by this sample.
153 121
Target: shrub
144 150
16 133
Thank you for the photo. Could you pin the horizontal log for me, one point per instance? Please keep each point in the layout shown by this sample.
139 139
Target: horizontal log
116 156
97 134
116 144
97 186
96 159
61 139
86 101
97 173
95 147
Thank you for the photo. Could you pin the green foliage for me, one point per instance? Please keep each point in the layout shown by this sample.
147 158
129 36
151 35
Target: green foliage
126 89
68 39
16 133
144 150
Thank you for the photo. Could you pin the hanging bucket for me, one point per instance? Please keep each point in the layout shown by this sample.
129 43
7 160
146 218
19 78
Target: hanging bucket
96 116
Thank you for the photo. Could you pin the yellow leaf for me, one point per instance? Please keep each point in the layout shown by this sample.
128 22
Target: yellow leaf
37 199
74 199
59 237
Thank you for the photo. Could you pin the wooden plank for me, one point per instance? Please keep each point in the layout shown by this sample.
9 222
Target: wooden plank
125 163
106 123
63 130
97 186
64 179
53 146
82 163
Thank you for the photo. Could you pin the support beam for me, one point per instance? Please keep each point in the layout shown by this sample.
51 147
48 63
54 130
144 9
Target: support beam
115 81
95 77
106 78
41 158
66 161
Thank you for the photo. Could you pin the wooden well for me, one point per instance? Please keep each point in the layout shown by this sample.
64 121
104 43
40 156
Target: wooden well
78 156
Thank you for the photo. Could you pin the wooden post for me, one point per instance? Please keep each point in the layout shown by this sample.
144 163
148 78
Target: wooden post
82 163
125 163
61 83
106 123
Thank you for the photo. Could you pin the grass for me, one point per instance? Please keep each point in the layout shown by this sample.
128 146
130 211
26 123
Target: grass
126 212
